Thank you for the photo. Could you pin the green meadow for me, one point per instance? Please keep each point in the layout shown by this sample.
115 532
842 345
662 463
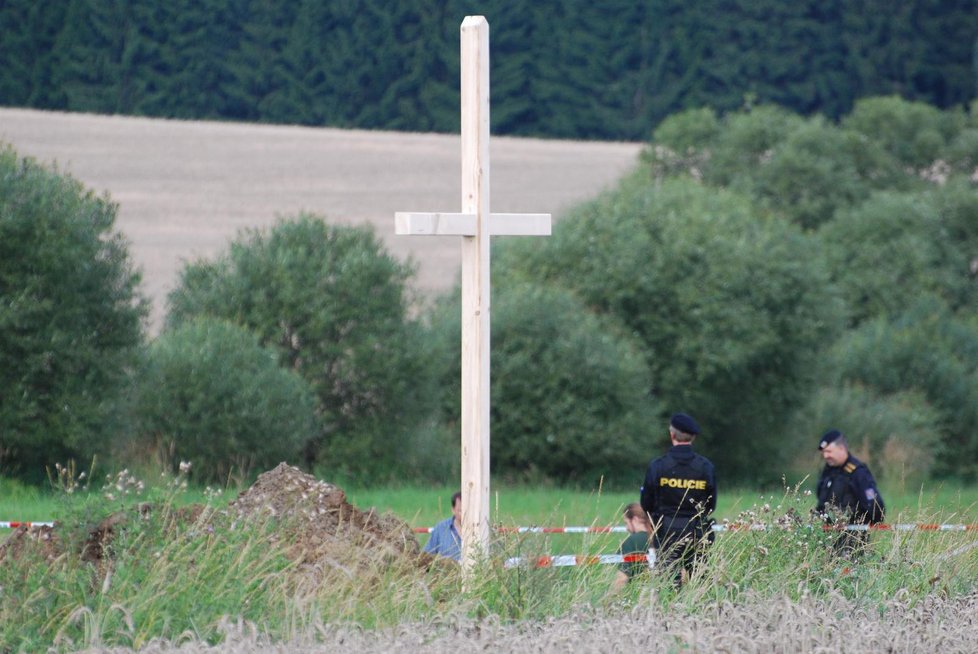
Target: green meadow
525 505
168 581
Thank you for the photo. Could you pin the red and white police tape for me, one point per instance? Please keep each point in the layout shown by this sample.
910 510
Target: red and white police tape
564 560
731 527
621 529
15 525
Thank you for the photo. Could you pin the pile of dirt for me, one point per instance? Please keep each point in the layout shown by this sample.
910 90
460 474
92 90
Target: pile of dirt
39 539
320 527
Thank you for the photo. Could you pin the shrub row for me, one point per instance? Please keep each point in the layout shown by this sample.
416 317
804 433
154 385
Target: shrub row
770 274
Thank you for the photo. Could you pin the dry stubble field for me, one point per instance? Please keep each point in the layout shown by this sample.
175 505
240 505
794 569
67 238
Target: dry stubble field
185 188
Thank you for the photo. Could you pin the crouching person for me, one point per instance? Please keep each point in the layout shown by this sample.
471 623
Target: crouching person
446 537
635 548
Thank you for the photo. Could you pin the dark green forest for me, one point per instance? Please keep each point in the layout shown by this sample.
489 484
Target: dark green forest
573 69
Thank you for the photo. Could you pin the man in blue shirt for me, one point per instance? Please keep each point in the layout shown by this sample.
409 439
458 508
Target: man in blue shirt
446 539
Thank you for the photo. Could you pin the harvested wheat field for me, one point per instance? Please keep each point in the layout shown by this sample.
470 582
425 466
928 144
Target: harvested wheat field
814 625
184 189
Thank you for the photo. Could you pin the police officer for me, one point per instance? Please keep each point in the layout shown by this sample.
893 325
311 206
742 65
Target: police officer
679 495
847 491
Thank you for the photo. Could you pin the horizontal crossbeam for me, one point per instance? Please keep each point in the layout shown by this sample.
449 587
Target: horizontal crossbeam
407 223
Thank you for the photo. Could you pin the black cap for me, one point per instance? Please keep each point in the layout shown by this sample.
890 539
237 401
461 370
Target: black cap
830 436
684 423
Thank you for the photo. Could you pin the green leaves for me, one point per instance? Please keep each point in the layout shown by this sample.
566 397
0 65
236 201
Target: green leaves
569 387
728 308
209 393
892 247
333 305
70 318
925 349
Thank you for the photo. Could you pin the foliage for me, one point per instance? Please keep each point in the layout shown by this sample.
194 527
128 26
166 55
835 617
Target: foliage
802 169
574 69
730 308
210 394
957 205
70 318
693 129
928 350
915 133
818 170
746 141
889 198
333 304
896 434
569 388
894 247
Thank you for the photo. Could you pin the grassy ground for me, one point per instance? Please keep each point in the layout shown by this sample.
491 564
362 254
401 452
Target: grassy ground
178 582
534 507
945 502
557 507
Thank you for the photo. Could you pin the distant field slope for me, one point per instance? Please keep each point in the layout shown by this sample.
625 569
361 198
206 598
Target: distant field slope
184 189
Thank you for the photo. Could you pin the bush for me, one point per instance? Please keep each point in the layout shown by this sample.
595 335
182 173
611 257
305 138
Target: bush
569 389
209 393
892 249
70 318
928 350
730 309
915 133
819 169
957 205
333 304
693 129
802 169
746 141
897 434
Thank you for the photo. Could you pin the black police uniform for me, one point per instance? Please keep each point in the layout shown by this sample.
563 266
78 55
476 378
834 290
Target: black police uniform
851 489
679 494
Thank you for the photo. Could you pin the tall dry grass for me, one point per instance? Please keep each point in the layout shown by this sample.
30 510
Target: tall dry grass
758 624
220 582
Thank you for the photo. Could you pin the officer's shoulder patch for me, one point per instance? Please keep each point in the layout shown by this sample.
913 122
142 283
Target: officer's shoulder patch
849 467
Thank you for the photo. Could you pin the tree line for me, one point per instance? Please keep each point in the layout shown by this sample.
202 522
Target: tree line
573 69
772 274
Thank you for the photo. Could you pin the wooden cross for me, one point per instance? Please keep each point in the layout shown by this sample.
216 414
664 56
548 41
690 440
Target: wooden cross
475 225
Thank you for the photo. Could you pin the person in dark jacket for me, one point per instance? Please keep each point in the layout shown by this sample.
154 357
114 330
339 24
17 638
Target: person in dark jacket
847 493
679 495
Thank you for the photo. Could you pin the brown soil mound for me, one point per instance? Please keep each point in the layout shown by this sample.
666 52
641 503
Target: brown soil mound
313 519
35 539
320 527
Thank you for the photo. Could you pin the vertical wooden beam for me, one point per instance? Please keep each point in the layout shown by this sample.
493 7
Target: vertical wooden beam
475 291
